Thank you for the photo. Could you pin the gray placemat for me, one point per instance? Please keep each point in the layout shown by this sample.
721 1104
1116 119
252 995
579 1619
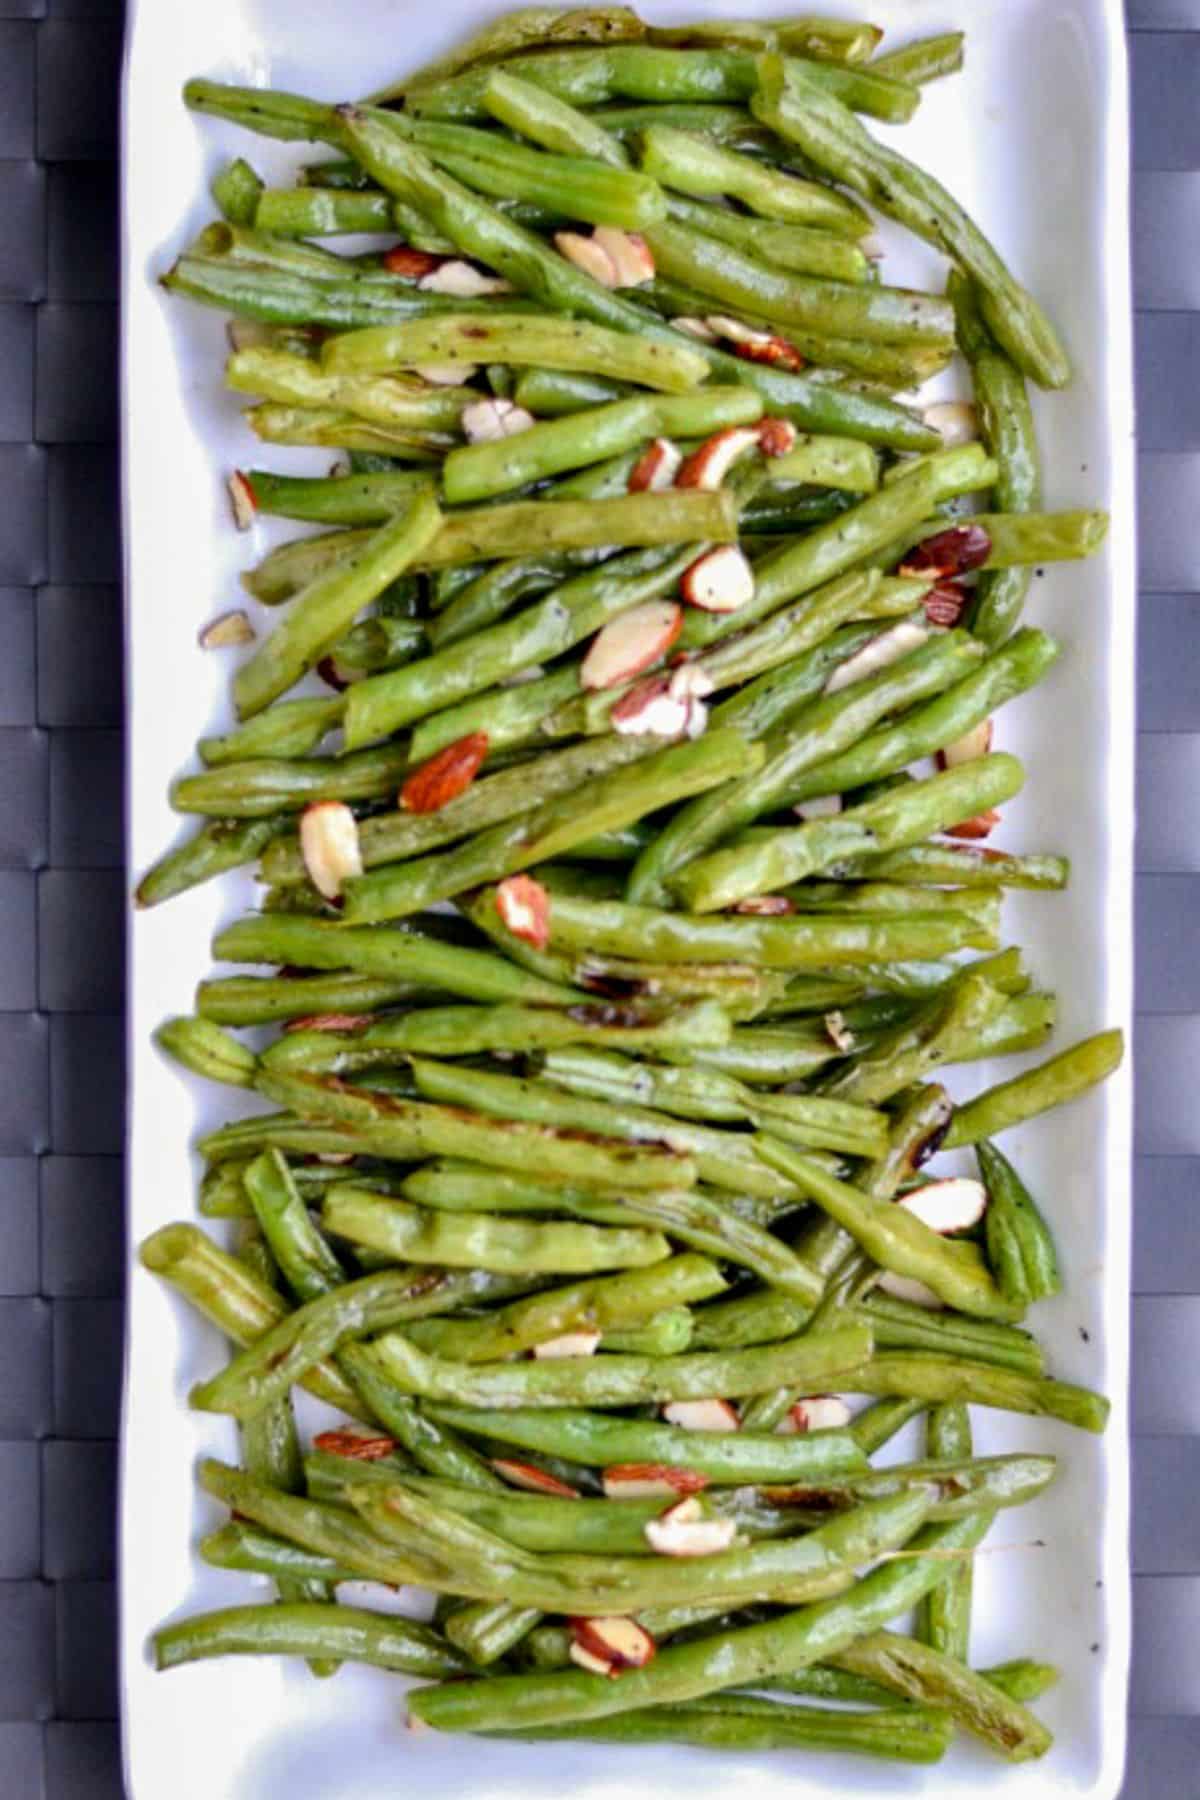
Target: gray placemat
61 1073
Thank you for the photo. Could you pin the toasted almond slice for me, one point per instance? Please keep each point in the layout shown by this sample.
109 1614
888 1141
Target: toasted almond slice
980 826
462 280
656 468
227 632
906 1287
702 1415
532 1479
589 256
587 1659
524 907
683 1530
776 436
736 331
945 604
402 259
331 1022
765 906
818 1412
955 421
954 1204
650 709
954 551
697 328
720 581
629 253
483 421
613 1641
974 743
361 1446
630 643
241 498
571 1343
450 374
838 1032
646 1481
824 806
446 775
899 640
329 845
334 1159
708 466
777 353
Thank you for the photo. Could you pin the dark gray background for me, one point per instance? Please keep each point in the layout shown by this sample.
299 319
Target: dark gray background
61 901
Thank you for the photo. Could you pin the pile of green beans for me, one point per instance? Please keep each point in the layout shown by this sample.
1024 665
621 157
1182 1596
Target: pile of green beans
617 937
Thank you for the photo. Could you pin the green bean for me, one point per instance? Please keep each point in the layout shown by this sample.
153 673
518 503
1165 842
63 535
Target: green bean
479 230
609 800
386 953
1019 1242
263 999
345 1633
405 1130
750 1655
487 1630
246 1548
333 499
930 1677
803 249
268 1368
923 60
645 72
1006 426
223 1194
1022 1679
908 1735
480 471
551 395
546 120
937 1380
596 1305
1052 1083
838 309
668 1333
218 846
266 786
526 28
332 428
829 135
208 1050
913 1050
892 822
877 1425
944 1617
543 343
386 400
319 615
600 1440
724 124
572 612
706 1094
477 1240
894 1238
697 166
290 729
825 40
826 726
320 212
956 865
236 1300
461 1187
237 190
829 462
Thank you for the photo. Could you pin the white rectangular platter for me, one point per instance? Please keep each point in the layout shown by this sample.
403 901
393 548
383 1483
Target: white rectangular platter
1033 138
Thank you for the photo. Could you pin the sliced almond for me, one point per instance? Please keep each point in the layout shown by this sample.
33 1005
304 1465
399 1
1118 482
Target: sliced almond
736 331
524 908
954 1204
484 421
954 551
899 640
702 1415
589 256
532 1479
334 1159
980 826
462 280
445 374
685 1530
974 743
697 328
656 468
227 632
819 1412
955 421
571 1343
629 252
824 806
708 466
361 1446
838 1032
766 906
331 1022
906 1287
650 709
329 845
412 264
630 643
241 498
646 1481
720 581
776 437
945 604
611 1643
